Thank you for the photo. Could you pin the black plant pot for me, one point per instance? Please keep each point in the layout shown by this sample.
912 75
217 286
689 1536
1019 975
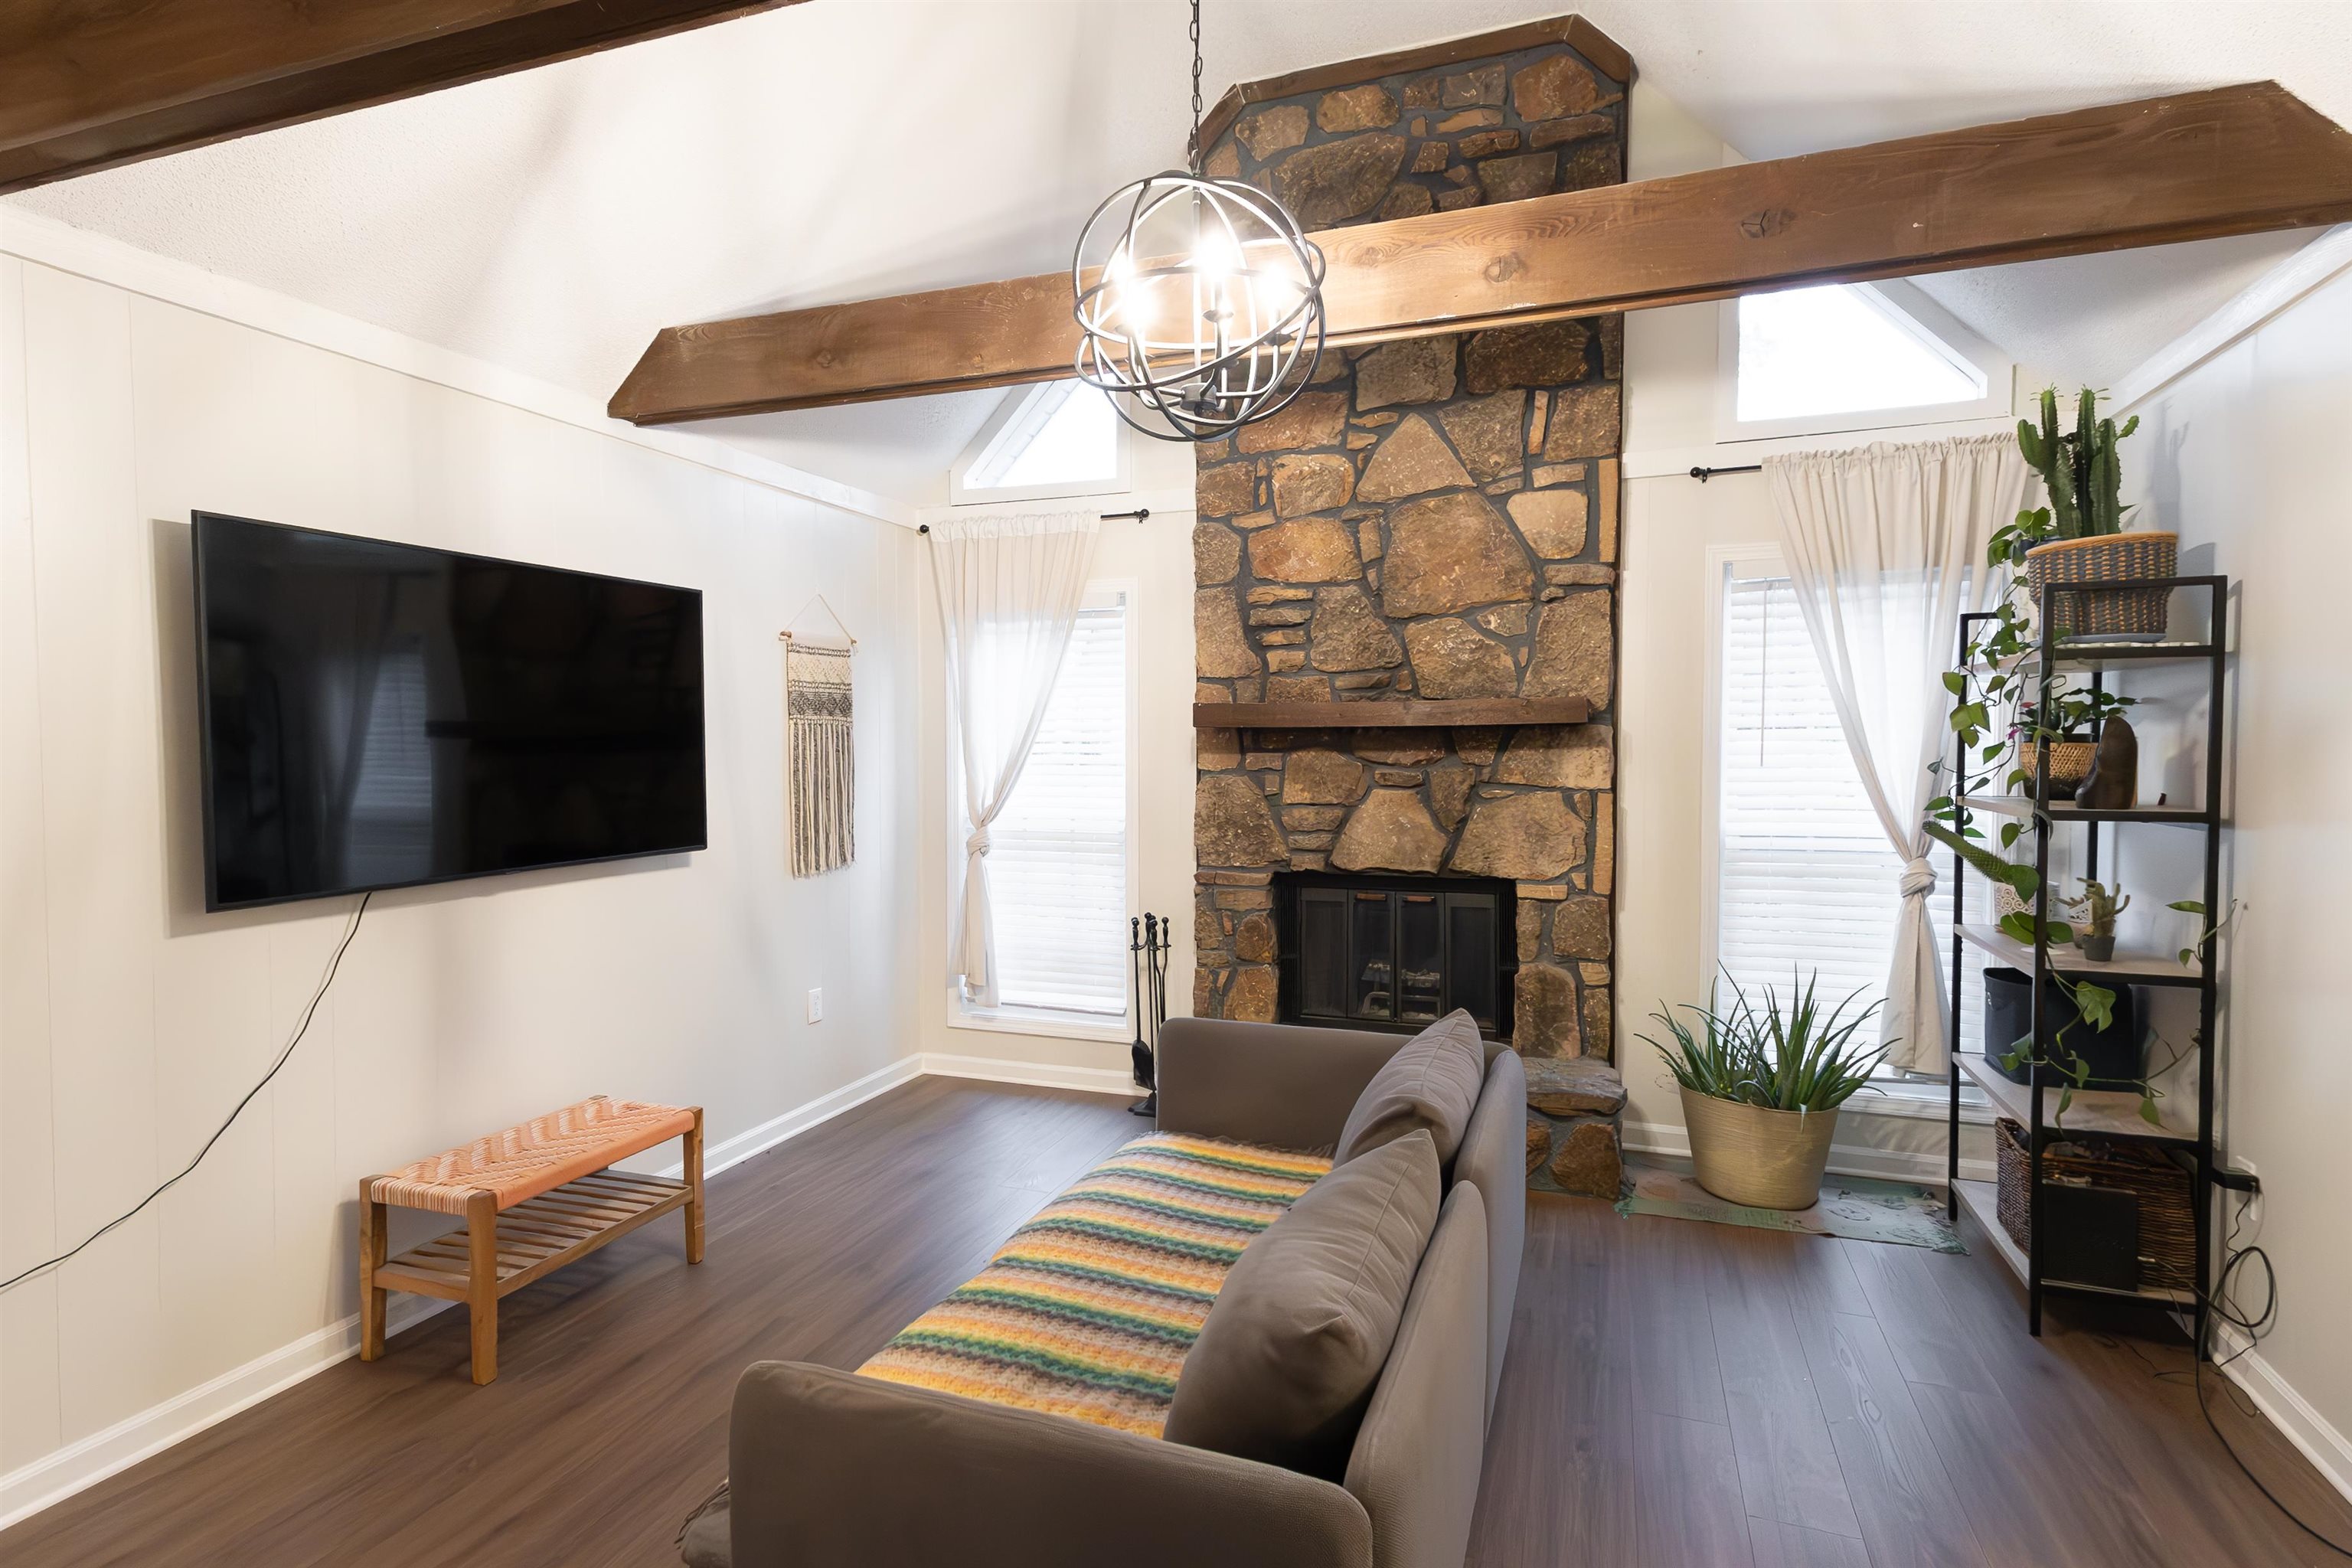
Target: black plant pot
2115 1053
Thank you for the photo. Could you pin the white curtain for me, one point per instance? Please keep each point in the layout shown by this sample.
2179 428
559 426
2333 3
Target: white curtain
1885 546
1009 590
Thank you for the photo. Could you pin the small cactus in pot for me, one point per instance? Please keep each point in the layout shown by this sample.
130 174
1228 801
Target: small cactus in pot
2095 910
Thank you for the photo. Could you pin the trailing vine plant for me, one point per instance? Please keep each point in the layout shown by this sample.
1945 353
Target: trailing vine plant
2081 479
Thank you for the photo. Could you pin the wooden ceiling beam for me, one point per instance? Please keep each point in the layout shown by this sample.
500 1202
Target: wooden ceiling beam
86 86
2235 160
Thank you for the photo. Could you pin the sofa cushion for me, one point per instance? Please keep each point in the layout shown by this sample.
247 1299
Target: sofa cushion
1088 1310
1288 1357
1432 1083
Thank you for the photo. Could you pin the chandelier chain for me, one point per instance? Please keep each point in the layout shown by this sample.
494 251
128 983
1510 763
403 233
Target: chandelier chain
1199 302
1192 146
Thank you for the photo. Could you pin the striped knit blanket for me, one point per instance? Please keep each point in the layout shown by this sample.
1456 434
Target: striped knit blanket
1089 1310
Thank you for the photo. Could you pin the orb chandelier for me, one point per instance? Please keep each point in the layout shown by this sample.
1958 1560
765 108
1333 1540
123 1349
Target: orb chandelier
1199 302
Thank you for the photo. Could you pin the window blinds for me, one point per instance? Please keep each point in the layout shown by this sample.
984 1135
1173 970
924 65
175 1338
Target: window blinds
1805 878
1057 865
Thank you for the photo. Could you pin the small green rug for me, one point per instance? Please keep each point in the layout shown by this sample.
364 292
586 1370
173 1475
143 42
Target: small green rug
1854 1206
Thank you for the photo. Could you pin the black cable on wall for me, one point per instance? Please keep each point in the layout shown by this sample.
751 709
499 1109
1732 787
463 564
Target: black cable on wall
301 1029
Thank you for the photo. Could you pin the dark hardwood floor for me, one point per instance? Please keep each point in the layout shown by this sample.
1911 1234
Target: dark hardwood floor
1677 1396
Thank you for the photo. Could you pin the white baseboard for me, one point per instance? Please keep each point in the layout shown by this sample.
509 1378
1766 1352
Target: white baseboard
799 1120
1845 1160
997 1069
56 1476
2313 1438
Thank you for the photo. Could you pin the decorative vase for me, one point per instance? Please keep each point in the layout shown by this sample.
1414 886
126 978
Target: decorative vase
2113 783
2093 612
1758 1157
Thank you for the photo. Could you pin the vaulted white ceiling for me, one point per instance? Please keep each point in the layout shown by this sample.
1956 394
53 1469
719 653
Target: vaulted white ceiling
552 221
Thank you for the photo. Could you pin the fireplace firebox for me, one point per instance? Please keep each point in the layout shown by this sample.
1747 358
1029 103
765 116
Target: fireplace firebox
1394 953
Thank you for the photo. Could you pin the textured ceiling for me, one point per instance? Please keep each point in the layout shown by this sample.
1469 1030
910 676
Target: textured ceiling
2090 319
552 221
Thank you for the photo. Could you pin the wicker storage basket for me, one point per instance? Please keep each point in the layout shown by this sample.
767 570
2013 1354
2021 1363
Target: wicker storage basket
2168 1219
2106 558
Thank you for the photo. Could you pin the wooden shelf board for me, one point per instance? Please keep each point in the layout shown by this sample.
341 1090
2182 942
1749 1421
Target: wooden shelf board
2019 806
1392 714
2089 657
542 1234
2138 968
2098 1112
1983 1199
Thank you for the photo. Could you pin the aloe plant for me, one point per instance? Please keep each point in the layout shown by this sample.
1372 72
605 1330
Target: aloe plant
1797 1057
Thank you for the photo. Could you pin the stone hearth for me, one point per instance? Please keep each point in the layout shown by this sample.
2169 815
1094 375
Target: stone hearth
1430 518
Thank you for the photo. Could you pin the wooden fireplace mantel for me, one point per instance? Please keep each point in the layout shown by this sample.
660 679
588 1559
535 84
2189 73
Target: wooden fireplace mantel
1392 714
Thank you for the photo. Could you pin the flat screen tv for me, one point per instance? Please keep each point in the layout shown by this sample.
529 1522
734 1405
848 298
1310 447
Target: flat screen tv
378 715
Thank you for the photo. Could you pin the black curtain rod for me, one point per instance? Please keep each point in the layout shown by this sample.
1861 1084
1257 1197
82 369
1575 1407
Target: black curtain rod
1139 514
1703 475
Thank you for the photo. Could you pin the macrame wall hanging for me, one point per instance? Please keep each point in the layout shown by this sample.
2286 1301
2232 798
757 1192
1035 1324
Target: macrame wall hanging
821 758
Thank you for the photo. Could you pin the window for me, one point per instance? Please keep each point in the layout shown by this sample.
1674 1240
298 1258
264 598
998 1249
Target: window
1062 438
390 838
1057 865
1852 356
1804 878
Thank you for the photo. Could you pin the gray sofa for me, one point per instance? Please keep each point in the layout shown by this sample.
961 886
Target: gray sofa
832 1470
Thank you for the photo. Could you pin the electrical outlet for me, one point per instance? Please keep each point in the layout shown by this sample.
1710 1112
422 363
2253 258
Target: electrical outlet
816 1004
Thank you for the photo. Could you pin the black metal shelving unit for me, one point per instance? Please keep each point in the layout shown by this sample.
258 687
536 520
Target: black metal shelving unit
2112 1115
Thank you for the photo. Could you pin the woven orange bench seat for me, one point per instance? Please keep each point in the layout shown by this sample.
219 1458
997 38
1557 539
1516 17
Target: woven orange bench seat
536 1157
535 1197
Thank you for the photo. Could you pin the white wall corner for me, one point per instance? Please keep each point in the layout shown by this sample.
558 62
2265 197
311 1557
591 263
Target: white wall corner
2315 1438
2274 292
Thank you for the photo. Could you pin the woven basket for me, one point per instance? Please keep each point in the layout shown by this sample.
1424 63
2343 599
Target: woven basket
2070 764
2107 558
2168 1218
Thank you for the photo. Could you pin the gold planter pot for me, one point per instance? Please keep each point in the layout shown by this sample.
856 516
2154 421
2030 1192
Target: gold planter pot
1764 1159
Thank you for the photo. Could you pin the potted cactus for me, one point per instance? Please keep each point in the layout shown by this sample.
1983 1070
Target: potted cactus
2094 913
2081 531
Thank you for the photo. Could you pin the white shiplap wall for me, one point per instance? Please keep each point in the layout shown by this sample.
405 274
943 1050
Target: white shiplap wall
130 1021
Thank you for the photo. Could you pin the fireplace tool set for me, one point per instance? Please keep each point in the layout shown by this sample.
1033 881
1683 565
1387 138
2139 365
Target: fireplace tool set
1148 940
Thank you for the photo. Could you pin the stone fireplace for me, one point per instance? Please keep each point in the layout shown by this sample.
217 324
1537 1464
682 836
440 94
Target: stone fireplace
1433 519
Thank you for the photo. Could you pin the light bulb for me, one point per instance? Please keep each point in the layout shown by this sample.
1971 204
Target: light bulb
1215 260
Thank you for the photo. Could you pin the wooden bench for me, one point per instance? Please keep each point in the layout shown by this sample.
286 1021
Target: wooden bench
535 1197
